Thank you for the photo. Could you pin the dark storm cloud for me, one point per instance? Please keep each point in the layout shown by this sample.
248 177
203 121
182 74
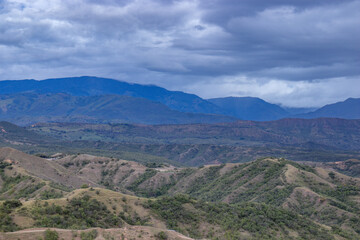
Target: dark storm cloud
281 50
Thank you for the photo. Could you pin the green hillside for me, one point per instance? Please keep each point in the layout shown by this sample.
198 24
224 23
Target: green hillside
268 198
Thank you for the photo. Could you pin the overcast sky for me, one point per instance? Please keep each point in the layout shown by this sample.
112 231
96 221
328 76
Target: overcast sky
295 52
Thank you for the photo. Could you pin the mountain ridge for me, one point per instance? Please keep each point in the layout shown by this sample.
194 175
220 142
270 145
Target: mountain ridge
90 86
349 109
30 108
246 108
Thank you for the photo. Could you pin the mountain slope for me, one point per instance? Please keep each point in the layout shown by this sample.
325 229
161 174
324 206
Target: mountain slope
91 86
100 208
250 108
312 192
265 199
27 167
28 108
348 109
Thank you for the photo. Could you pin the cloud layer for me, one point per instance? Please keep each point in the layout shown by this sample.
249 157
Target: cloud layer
298 53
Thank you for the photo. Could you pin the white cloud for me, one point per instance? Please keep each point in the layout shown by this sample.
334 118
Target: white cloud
314 93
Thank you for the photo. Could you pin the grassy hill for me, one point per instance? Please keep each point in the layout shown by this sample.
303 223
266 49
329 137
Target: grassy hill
89 208
268 198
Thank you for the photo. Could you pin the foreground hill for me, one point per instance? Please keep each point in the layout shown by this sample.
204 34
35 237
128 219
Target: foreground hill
349 109
250 108
93 86
89 208
28 108
268 198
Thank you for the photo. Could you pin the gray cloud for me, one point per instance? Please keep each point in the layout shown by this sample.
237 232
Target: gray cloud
283 50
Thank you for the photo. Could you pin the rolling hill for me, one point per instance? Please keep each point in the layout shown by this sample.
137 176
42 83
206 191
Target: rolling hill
267 198
187 145
316 133
29 108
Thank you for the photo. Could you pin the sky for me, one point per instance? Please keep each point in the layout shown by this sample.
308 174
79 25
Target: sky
298 53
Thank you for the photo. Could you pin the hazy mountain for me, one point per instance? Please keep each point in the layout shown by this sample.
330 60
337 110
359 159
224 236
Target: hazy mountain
250 108
28 108
246 108
91 86
348 109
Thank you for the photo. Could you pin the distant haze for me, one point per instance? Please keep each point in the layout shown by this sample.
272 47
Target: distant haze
297 53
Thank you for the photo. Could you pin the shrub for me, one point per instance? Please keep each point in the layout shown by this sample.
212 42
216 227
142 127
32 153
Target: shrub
10 204
51 235
89 235
161 236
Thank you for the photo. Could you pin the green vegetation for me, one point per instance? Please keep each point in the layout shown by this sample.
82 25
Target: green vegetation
161 236
6 221
261 220
9 181
51 235
149 173
60 187
80 213
268 198
91 235
50 194
29 190
154 165
259 180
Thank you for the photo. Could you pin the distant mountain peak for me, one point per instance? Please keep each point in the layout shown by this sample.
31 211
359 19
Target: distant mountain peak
250 108
348 109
